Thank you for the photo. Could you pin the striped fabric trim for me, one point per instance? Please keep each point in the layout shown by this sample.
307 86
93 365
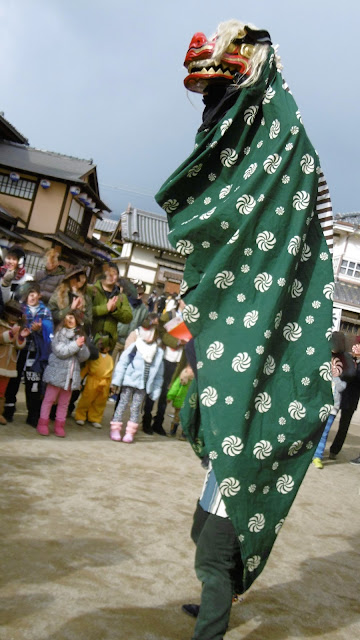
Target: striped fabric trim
324 212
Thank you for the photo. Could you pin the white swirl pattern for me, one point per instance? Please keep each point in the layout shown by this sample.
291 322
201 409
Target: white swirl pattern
256 523
241 362
263 282
262 449
269 366
229 487
245 204
253 563
215 350
263 402
274 129
301 200
170 205
296 410
209 397
285 484
224 279
307 163
228 157
225 191
265 240
294 245
225 125
250 114
232 446
272 163
250 319
190 313
184 247
292 331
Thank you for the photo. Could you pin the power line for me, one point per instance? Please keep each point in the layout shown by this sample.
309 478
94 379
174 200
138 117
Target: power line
128 189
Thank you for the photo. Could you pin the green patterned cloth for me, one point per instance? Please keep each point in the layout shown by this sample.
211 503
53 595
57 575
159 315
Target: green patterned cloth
258 290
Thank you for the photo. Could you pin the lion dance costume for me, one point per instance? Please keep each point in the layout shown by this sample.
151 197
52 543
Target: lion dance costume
250 211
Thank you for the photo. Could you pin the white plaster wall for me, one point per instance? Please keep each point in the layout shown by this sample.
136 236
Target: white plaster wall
144 257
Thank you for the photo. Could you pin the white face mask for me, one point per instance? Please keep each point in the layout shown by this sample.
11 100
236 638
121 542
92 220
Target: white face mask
146 334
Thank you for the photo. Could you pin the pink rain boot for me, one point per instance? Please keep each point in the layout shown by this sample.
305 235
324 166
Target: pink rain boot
59 428
131 429
115 431
43 426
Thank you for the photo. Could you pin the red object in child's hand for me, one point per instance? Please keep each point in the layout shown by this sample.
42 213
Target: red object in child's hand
179 330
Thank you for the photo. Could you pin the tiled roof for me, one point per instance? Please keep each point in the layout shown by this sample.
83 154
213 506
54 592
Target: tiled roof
8 131
149 229
347 294
31 160
106 225
349 218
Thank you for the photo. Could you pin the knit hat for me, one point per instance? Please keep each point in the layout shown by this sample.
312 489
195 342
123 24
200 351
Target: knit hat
73 271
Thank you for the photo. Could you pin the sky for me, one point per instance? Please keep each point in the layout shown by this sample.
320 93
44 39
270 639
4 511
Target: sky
103 79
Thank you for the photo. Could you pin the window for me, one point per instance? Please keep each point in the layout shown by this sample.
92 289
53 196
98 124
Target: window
21 188
33 263
350 269
76 212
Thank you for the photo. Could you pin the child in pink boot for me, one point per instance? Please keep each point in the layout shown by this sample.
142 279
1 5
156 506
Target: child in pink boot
139 370
62 373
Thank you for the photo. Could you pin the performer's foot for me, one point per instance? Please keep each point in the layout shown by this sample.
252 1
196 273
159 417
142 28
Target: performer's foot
332 456
317 463
191 609
355 461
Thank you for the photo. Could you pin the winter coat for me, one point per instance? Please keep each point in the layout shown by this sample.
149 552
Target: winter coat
64 361
105 321
179 388
59 312
39 341
16 288
351 394
8 350
130 371
49 280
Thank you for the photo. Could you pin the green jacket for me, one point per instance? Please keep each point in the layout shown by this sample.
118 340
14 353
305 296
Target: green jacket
103 320
177 393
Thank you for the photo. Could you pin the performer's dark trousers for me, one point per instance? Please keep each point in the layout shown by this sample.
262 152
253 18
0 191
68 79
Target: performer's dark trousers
169 369
217 561
344 424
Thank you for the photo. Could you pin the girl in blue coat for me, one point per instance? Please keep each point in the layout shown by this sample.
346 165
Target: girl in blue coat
139 371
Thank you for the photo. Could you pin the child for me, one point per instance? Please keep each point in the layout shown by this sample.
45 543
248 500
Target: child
62 373
94 396
12 338
343 370
13 274
177 394
34 357
139 370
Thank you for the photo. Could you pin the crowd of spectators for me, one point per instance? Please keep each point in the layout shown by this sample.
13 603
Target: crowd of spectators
63 335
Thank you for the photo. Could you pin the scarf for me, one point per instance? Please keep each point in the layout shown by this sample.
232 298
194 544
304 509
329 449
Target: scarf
147 351
258 289
19 272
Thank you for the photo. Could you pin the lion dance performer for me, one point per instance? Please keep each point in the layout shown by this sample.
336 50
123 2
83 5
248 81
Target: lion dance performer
250 211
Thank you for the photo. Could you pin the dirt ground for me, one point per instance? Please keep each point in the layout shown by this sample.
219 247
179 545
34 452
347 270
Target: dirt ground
95 543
